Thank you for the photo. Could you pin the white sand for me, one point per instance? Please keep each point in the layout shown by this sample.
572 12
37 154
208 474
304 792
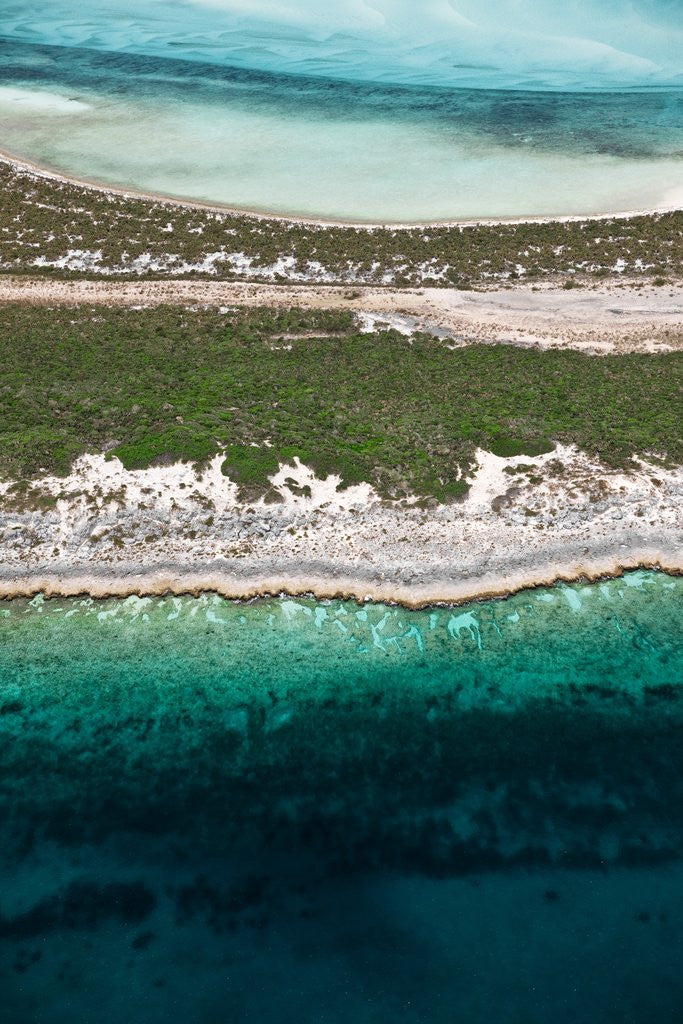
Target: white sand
670 202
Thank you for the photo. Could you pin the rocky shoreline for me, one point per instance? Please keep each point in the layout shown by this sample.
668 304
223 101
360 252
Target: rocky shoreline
179 582
104 532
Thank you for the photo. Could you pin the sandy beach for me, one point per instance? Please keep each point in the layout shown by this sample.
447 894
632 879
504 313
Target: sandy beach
670 203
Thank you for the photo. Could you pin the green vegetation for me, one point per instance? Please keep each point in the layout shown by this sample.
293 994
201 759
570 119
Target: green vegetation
250 465
158 385
507 447
47 220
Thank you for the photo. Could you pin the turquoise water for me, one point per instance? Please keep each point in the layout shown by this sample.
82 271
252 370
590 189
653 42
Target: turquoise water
396 111
542 44
320 811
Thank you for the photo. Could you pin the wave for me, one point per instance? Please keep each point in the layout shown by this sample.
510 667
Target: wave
528 44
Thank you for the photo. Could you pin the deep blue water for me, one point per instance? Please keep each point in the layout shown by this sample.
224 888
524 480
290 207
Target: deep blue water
292 810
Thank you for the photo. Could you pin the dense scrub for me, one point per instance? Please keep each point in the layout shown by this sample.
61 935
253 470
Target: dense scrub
405 414
50 226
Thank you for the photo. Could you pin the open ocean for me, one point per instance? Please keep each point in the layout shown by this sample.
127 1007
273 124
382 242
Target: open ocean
305 811
394 110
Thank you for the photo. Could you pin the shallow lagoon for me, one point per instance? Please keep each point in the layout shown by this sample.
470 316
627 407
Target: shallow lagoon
294 810
360 151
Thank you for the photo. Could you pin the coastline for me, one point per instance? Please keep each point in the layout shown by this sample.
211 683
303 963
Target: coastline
24 165
99 534
109 532
186 583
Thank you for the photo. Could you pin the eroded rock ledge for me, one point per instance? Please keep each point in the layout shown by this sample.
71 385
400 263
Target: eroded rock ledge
525 522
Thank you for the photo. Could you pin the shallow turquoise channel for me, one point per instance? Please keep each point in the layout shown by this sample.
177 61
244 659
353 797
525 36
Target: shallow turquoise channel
324 811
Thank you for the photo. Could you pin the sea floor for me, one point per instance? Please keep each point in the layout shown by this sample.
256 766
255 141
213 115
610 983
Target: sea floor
323 811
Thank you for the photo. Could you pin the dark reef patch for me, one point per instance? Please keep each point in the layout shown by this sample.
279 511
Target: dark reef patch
82 905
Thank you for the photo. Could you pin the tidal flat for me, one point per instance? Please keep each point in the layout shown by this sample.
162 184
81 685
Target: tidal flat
324 810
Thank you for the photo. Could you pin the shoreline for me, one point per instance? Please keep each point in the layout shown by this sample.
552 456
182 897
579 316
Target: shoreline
187 584
24 165
109 532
